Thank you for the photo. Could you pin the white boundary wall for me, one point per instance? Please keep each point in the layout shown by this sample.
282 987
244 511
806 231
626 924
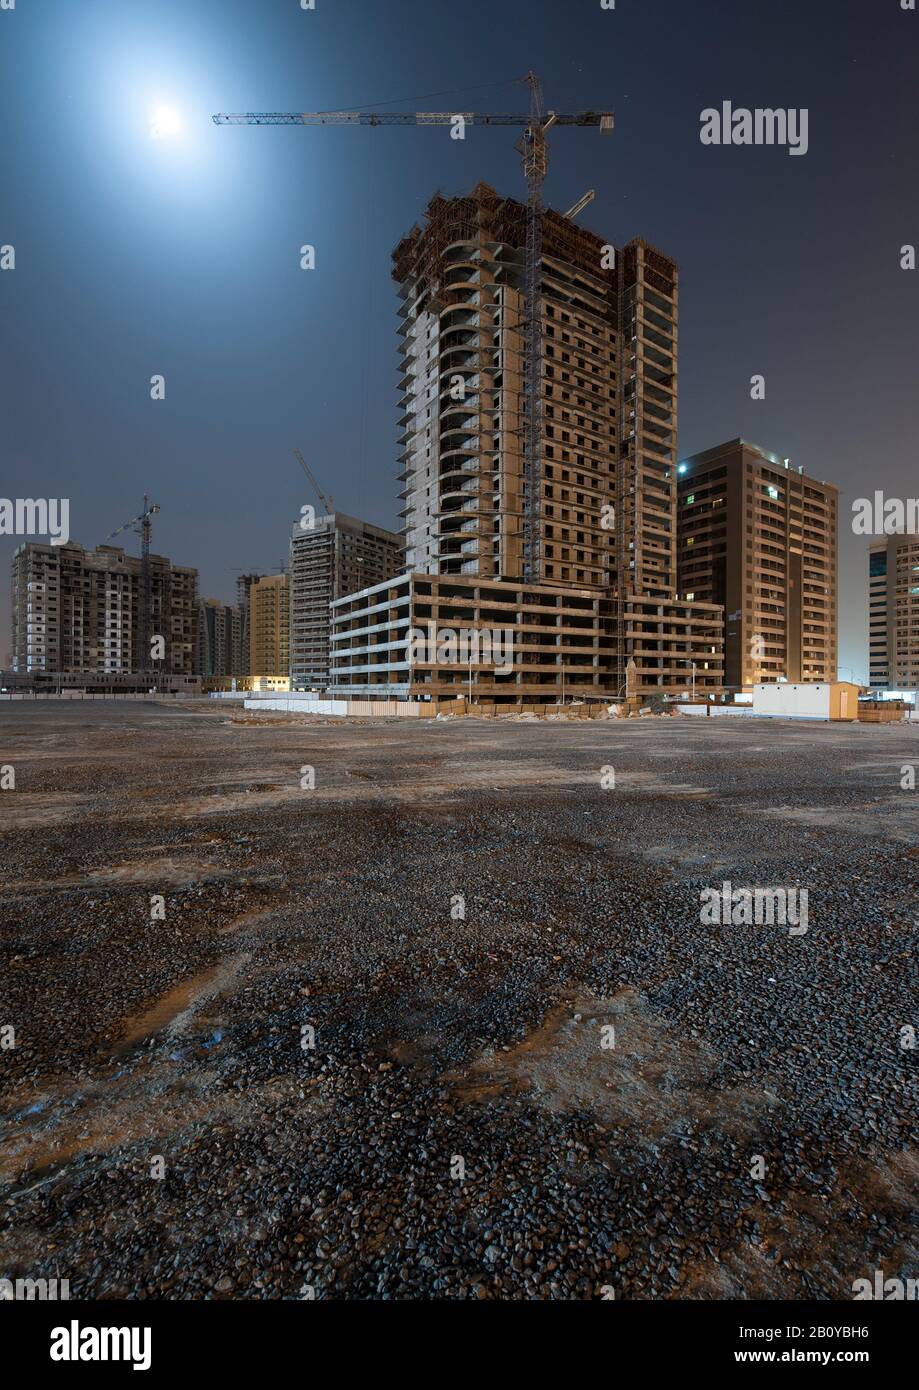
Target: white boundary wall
290 704
362 709
736 711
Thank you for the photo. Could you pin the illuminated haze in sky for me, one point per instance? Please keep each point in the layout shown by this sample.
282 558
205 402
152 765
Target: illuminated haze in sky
179 254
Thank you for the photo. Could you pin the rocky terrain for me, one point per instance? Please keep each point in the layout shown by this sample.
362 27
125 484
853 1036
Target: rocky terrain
439 1018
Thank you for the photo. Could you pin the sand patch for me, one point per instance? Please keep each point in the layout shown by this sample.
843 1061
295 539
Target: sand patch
619 1060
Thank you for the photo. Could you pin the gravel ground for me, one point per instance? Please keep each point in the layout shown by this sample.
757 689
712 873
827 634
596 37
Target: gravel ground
535 1072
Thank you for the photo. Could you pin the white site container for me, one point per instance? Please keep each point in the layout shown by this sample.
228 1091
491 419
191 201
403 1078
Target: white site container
806 700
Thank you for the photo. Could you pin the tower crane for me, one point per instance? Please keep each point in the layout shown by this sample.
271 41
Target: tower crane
326 501
143 527
534 149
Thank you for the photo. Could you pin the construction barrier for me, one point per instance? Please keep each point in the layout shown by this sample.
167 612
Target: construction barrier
882 712
419 709
344 709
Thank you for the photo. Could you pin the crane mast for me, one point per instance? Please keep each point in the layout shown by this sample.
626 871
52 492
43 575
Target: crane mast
535 151
143 526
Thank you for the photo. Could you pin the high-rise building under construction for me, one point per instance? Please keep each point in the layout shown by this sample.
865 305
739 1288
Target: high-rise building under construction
220 651
605 501
595 511
333 555
77 610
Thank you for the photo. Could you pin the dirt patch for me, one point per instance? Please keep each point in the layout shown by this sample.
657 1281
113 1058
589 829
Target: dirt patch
174 1009
152 1102
245 920
169 872
617 1059
581 1152
894 819
797 1237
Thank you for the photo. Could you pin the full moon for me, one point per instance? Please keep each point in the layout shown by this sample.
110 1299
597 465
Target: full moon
165 123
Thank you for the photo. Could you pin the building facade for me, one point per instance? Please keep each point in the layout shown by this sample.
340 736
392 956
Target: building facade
269 626
423 636
893 596
671 645
78 610
219 648
597 512
334 556
760 538
244 583
438 637
604 503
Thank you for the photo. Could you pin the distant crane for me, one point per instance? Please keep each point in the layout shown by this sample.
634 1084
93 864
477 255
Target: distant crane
533 146
142 526
326 501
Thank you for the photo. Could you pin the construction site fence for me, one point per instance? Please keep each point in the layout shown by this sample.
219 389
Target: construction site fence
292 704
419 709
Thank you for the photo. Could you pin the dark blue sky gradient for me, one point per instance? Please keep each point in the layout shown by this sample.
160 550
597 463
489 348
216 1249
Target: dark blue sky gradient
135 257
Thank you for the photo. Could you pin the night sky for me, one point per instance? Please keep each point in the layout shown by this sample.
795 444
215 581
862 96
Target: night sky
181 257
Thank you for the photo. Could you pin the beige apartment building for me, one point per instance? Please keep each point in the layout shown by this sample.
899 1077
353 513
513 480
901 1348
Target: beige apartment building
759 537
893 583
76 610
269 626
597 514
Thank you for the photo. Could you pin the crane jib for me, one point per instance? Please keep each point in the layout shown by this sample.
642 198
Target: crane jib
409 118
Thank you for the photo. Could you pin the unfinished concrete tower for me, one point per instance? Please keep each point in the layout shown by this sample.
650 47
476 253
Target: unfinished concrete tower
609 388
596 511
333 556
